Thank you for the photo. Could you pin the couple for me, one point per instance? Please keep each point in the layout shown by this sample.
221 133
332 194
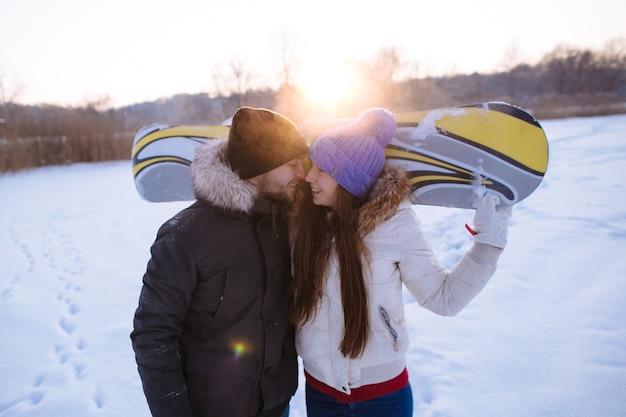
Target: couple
214 332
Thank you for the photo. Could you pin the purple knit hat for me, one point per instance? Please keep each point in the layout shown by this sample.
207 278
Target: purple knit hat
354 155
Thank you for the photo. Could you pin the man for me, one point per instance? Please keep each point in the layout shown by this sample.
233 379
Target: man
211 334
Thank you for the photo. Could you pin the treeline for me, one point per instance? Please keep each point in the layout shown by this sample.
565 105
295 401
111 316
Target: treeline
566 82
34 136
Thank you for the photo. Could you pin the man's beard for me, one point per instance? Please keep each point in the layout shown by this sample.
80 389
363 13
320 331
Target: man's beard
269 189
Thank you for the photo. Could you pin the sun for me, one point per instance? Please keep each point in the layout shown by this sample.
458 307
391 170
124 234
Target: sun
326 83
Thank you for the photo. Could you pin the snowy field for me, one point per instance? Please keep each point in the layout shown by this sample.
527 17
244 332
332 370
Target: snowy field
547 337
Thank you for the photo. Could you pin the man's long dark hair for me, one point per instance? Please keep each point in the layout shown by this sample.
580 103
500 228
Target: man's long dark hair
319 231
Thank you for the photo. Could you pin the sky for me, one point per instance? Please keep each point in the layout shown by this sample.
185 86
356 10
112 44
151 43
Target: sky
70 52
546 337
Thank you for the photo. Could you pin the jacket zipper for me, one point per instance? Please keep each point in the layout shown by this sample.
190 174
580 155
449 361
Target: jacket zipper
387 320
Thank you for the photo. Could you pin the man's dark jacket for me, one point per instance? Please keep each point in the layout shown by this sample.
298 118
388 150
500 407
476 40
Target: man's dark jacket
211 333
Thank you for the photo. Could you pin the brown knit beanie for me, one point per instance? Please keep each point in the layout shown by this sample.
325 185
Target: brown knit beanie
261 140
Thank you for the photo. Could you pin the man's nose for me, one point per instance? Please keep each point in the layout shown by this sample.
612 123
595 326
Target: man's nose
300 171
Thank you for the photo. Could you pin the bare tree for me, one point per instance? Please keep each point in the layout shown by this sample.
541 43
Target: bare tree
387 63
241 78
9 94
288 97
385 71
570 71
233 84
513 56
517 73
612 65
286 51
567 69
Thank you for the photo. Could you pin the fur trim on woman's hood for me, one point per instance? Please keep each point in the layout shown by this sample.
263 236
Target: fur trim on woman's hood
391 189
215 182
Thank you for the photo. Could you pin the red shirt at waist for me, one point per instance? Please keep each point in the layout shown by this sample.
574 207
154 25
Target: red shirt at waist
363 393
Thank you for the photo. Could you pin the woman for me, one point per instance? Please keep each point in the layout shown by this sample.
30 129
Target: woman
357 240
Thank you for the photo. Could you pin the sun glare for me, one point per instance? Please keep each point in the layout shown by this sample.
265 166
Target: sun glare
326 84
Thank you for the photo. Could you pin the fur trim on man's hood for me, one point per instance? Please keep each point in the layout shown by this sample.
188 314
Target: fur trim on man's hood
215 182
391 189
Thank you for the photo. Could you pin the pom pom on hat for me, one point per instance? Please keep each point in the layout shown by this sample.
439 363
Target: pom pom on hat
260 140
378 123
354 155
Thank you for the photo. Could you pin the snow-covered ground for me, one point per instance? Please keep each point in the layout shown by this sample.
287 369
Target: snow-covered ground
547 337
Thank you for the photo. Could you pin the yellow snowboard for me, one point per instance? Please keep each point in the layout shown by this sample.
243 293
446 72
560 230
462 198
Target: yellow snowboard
453 155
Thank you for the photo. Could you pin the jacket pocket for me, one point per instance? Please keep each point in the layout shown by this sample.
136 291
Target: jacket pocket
386 318
222 294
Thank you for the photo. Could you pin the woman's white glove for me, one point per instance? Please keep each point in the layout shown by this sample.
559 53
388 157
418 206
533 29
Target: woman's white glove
491 224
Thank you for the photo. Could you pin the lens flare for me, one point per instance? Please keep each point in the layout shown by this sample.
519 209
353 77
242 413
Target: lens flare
239 349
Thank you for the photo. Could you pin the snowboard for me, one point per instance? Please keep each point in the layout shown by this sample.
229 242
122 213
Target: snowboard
453 155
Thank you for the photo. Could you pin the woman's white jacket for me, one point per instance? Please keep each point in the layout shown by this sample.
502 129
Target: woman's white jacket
399 254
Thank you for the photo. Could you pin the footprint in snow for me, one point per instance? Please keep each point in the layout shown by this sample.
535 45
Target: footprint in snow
67 326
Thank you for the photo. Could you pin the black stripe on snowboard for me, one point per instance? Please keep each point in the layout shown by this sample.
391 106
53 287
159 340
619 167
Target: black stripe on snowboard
508 109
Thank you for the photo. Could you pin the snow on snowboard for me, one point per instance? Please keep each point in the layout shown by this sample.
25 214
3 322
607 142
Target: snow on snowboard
451 154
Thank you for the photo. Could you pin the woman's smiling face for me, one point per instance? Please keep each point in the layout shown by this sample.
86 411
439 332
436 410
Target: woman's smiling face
323 187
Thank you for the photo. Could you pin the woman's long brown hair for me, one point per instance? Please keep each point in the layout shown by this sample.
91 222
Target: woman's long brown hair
317 232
